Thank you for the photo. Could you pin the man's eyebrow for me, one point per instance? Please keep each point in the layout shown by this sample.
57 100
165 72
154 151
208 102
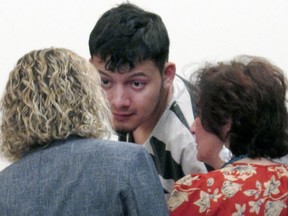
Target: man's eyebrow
133 74
102 72
137 74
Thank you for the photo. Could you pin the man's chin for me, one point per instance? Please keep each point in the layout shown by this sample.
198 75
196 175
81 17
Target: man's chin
122 129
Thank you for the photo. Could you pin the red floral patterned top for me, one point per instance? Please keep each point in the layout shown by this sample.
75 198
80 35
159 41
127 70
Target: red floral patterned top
237 189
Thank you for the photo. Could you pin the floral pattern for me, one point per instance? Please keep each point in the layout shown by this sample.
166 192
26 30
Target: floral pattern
237 189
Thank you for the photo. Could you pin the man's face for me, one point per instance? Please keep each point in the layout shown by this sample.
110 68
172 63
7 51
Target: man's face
135 96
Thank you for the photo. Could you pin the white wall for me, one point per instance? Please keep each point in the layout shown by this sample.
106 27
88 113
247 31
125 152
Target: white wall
200 30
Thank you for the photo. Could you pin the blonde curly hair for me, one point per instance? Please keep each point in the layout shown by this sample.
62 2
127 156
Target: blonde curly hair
51 94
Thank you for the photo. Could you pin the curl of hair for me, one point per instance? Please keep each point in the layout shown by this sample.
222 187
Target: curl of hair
249 92
51 94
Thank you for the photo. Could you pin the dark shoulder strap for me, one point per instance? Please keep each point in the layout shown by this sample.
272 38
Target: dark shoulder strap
191 90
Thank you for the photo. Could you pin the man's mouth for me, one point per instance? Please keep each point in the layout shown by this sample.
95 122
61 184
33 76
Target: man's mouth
122 116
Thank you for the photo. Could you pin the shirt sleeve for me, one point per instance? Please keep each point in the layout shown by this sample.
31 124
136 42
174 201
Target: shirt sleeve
189 195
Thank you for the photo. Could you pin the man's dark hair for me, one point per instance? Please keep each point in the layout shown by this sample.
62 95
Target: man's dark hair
126 35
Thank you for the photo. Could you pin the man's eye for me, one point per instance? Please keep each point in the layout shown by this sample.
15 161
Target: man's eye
105 82
137 84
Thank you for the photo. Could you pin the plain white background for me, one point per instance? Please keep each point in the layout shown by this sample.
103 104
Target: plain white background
200 30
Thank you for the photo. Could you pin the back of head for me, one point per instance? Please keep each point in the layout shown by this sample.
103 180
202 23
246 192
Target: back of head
250 93
51 94
126 35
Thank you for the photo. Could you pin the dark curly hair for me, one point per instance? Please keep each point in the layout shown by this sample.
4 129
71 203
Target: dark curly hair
249 92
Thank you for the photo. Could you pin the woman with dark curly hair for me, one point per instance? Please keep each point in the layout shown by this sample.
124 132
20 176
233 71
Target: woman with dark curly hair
55 117
241 104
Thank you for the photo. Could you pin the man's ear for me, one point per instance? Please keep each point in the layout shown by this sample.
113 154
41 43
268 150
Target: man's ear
169 72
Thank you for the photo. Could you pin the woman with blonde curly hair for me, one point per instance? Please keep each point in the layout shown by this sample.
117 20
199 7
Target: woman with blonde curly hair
54 120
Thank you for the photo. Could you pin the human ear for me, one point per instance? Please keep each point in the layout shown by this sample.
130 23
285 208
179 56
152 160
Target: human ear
168 74
226 128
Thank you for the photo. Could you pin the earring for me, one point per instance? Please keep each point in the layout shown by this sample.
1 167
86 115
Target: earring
225 154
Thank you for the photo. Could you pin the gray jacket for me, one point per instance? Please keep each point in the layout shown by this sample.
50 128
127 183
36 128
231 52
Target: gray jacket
85 177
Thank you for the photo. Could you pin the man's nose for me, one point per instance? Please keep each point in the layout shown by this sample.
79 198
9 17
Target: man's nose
119 97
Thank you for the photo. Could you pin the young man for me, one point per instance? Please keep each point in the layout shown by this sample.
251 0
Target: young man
150 105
